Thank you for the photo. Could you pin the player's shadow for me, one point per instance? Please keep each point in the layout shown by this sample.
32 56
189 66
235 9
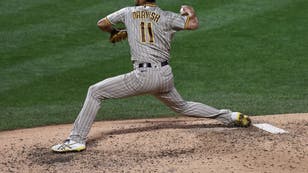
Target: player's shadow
156 125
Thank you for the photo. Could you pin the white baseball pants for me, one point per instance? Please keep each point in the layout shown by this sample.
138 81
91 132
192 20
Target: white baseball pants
157 81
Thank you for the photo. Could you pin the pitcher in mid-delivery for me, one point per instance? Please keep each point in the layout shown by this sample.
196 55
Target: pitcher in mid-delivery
149 31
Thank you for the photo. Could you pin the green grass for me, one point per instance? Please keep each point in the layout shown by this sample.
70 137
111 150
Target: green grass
249 56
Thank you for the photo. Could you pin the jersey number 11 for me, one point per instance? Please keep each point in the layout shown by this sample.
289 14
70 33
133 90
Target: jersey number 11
146 27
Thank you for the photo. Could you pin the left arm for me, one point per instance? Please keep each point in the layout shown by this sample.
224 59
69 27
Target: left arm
105 25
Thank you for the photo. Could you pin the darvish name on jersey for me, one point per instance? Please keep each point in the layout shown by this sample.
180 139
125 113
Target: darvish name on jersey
146 14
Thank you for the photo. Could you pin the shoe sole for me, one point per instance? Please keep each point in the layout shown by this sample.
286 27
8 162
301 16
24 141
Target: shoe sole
70 151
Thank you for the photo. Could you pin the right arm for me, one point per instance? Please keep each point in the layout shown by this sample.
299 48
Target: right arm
192 22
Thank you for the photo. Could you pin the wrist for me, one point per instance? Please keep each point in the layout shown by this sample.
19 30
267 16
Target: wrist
191 14
187 10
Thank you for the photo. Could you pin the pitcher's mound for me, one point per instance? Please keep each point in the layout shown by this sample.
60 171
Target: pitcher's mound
163 145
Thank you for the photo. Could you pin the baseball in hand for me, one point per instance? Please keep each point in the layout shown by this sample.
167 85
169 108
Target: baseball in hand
183 10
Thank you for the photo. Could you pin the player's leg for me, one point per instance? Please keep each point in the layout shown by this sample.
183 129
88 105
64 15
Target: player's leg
115 87
126 85
174 100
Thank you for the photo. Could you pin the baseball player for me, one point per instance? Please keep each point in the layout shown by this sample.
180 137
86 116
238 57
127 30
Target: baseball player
149 31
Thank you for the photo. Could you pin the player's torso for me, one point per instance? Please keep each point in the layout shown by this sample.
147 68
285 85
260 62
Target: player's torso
148 33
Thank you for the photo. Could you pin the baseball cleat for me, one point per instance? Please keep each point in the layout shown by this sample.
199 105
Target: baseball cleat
241 120
68 146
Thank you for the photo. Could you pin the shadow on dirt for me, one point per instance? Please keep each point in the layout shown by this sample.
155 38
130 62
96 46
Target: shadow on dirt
44 156
163 125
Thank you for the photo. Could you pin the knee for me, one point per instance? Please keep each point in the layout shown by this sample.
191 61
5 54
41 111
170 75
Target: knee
98 91
93 91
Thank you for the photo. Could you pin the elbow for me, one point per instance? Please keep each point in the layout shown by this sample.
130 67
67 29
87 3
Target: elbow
104 24
100 23
194 26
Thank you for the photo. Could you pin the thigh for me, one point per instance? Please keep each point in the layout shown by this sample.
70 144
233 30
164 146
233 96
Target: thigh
124 85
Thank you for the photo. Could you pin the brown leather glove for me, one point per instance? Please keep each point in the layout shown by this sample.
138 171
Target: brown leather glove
117 35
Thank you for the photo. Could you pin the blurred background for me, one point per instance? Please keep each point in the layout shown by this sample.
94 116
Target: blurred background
248 55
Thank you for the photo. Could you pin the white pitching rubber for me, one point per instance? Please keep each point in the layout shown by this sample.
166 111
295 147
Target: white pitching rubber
270 128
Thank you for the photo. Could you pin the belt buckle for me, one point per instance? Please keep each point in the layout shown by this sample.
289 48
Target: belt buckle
142 65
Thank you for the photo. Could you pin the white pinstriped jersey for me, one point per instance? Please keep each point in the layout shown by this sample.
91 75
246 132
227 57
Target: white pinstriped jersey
150 31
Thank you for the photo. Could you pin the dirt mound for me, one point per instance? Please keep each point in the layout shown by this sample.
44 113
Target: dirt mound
163 145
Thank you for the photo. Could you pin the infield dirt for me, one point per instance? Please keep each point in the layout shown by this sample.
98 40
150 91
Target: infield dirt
163 145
